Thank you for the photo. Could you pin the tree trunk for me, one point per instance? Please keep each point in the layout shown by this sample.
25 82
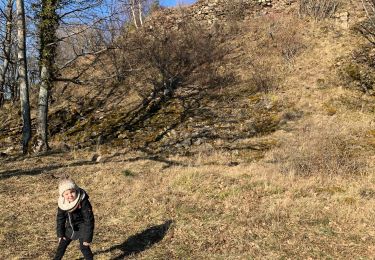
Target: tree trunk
47 25
13 86
140 12
43 110
7 45
22 76
132 7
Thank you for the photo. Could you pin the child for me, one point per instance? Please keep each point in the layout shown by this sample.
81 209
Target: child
75 219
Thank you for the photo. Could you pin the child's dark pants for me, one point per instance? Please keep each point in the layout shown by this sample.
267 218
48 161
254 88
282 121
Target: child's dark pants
63 244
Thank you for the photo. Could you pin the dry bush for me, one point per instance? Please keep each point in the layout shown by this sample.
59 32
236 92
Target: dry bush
286 33
367 26
321 149
263 75
318 9
367 29
169 59
279 42
359 77
290 43
281 35
358 72
173 55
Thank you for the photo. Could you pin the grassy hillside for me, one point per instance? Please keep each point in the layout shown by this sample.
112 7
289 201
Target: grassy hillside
274 162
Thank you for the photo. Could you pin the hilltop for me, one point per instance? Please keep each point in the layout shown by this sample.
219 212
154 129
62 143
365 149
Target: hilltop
264 152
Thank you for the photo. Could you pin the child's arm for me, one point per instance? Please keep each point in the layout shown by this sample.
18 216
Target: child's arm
88 217
60 223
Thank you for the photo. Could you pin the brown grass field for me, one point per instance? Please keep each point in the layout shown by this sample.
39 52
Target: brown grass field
184 208
311 196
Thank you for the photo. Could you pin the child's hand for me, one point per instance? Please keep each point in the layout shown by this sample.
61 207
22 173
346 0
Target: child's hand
86 244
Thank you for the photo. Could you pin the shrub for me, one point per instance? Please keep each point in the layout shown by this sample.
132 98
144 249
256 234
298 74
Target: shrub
318 9
128 173
280 35
174 57
286 35
263 75
279 42
367 27
359 73
353 71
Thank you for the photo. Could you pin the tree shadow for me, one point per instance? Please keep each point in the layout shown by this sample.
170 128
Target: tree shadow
39 170
141 241
45 169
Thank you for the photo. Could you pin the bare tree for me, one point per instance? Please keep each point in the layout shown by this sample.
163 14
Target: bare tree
7 47
138 9
22 76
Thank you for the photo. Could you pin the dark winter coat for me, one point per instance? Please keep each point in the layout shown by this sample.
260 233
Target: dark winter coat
76 224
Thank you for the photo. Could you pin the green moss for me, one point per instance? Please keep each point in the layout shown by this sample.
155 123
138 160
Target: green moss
353 71
153 128
254 99
327 230
266 122
128 173
266 112
330 190
251 155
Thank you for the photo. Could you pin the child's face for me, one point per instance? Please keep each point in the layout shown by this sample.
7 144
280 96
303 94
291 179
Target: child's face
70 195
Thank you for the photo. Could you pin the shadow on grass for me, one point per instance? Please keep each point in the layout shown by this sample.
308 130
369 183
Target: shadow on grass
140 242
39 170
45 169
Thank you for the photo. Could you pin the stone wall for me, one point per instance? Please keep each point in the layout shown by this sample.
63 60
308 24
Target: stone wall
222 10
212 11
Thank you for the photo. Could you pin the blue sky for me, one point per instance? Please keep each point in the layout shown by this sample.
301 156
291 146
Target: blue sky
174 2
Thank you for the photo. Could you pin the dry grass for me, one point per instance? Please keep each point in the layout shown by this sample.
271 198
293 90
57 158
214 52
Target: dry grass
296 203
323 146
217 212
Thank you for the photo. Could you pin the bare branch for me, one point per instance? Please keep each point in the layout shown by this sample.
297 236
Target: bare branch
70 62
78 10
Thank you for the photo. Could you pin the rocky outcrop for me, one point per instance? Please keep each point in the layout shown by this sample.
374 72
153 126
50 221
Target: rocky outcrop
213 11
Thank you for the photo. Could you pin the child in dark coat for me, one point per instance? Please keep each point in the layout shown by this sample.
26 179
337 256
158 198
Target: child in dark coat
75 219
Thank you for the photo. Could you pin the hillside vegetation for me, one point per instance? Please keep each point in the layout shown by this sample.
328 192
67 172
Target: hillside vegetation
262 149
